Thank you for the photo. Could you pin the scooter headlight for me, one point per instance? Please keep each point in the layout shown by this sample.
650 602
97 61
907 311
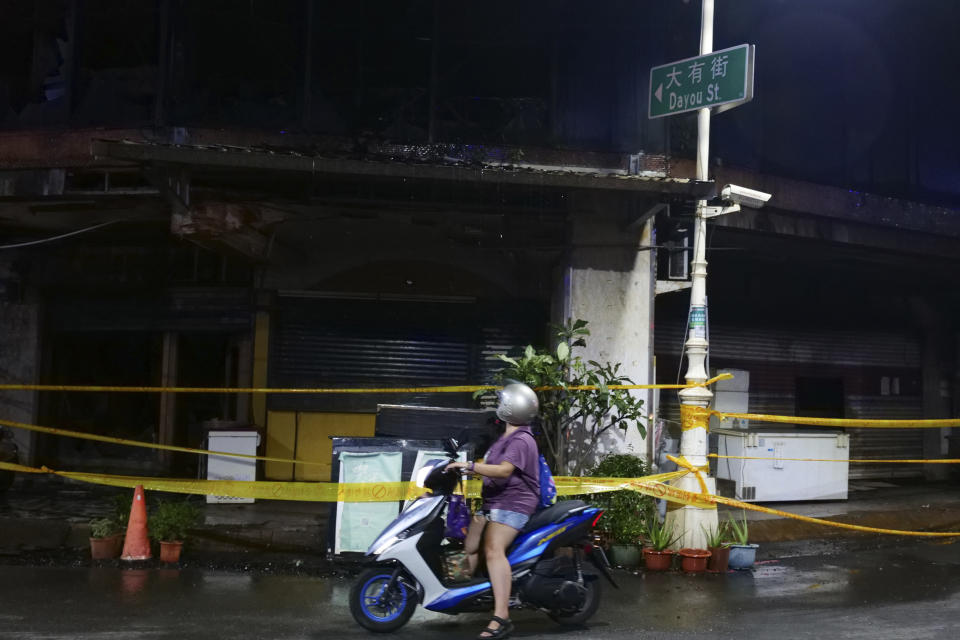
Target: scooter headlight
386 544
389 542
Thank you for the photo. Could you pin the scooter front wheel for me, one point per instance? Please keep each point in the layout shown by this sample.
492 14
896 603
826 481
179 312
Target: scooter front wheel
376 608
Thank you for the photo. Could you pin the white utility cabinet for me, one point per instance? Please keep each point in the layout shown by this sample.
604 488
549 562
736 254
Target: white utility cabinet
228 467
779 478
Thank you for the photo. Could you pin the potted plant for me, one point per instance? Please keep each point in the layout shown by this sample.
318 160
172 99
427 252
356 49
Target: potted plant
719 546
105 539
625 512
742 553
169 525
658 556
106 534
573 420
693 560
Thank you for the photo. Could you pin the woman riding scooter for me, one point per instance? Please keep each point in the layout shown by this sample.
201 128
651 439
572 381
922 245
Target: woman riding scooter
511 494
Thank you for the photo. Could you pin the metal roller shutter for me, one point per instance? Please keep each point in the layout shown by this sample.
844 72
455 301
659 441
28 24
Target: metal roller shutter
335 342
776 358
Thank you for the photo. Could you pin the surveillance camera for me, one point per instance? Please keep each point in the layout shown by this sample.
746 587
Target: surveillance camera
744 196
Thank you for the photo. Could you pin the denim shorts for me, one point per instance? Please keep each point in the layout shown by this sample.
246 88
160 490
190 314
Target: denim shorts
512 519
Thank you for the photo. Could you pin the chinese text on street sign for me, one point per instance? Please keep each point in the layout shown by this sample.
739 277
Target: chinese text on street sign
717 78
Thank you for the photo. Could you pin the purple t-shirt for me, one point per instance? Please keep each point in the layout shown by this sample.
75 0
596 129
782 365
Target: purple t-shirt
519 492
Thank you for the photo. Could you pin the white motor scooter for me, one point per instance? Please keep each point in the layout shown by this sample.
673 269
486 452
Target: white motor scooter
547 560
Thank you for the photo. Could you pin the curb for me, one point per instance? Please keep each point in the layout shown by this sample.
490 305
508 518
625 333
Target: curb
46 534
932 518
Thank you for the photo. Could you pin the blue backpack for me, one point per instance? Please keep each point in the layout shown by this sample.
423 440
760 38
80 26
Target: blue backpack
548 488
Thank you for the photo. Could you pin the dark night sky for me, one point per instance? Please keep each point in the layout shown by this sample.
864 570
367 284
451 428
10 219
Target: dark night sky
860 94
847 91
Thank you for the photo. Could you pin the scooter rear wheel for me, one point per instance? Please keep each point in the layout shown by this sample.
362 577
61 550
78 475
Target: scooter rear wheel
589 607
376 609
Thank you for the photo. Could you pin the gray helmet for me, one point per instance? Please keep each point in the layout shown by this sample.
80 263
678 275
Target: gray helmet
518 404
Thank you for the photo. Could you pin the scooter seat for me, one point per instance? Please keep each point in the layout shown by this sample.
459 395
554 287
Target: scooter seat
553 513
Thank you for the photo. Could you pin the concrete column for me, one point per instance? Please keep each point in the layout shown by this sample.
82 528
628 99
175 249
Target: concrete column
261 343
19 360
168 401
244 376
935 358
956 379
609 281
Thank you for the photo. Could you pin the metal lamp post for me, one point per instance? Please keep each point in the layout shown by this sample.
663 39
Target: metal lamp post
723 91
691 522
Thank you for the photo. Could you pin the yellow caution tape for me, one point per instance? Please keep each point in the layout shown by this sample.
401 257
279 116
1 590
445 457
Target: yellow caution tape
576 486
263 490
843 422
830 523
120 389
150 445
391 491
663 491
694 499
323 491
167 447
146 445
694 417
851 460
164 447
683 463
447 389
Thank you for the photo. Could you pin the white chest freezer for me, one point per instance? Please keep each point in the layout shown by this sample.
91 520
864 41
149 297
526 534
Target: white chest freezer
795 464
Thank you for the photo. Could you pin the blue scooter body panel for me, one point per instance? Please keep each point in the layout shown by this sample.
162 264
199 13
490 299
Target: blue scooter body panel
527 547
532 545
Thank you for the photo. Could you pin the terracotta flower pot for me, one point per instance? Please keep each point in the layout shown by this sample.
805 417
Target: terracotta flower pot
105 548
170 552
654 560
694 560
719 559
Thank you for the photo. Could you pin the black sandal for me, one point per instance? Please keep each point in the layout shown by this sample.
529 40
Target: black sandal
503 631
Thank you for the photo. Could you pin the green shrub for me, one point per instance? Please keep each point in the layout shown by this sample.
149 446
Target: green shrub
659 534
102 528
171 520
572 420
114 523
121 509
719 537
739 530
625 512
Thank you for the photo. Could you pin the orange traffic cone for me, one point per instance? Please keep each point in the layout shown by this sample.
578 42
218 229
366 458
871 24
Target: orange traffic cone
136 546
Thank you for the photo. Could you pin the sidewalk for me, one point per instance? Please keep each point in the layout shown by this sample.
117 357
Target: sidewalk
911 505
49 514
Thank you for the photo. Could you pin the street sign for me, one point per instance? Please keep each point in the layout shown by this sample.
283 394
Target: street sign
723 77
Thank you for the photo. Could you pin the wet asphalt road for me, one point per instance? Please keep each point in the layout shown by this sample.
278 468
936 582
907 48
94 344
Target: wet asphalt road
908 590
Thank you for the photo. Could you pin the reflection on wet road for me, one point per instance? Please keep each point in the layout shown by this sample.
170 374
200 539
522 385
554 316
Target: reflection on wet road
907 591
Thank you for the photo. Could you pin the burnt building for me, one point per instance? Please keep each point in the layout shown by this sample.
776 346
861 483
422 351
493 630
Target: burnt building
306 194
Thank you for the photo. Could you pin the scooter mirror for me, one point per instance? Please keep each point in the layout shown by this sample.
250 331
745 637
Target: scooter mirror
450 445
